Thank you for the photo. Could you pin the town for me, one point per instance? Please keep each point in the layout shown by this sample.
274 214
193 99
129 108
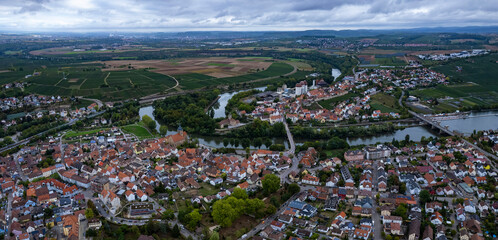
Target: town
440 189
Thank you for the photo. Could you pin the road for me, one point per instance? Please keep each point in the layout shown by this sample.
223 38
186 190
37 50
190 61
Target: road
97 101
154 97
377 224
292 149
9 215
26 140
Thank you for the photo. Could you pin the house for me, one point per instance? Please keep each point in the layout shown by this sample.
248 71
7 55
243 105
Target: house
469 206
141 195
414 230
361 234
428 233
354 155
277 226
437 218
130 196
308 179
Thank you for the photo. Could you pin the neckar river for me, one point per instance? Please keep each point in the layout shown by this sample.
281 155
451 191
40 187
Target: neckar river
478 121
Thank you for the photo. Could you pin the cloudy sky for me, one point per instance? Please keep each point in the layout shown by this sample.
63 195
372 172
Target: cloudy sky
240 15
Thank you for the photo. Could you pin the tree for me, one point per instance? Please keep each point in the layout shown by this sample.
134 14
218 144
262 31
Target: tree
89 213
194 218
149 123
175 232
271 183
223 213
293 188
425 196
163 129
239 193
214 236
258 142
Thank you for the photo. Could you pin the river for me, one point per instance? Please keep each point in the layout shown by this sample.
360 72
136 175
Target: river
479 121
148 110
219 109
336 73
475 121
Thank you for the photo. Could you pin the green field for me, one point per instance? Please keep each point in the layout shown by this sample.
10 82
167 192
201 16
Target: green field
90 81
480 70
71 133
330 103
137 130
196 80
384 102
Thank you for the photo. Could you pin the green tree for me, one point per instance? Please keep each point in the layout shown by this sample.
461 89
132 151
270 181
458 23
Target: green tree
163 130
223 213
425 196
214 236
293 188
175 232
89 213
194 218
239 193
271 183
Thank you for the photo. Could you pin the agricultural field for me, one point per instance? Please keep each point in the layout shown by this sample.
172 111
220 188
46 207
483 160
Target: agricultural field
479 70
215 67
88 80
124 79
197 80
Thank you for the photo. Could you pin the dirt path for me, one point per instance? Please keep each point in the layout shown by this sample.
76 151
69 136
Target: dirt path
105 79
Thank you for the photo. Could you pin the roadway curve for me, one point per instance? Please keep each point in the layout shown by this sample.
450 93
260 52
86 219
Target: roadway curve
154 97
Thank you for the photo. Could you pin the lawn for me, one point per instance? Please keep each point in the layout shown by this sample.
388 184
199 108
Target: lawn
137 130
208 189
71 133
330 103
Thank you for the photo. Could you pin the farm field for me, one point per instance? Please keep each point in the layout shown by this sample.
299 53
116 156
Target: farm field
86 80
218 67
479 70
197 80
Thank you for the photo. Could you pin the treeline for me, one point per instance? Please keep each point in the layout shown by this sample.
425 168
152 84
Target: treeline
258 129
226 211
188 111
123 115
29 126
331 144
236 103
342 132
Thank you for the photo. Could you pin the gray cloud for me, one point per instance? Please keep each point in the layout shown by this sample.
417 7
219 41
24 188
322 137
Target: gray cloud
179 15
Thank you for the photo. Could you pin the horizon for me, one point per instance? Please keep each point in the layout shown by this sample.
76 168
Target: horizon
153 16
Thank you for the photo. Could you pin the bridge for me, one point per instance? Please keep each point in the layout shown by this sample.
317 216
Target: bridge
434 124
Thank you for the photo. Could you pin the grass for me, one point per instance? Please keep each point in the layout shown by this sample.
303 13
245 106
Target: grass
208 189
330 103
384 102
439 92
71 133
137 130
